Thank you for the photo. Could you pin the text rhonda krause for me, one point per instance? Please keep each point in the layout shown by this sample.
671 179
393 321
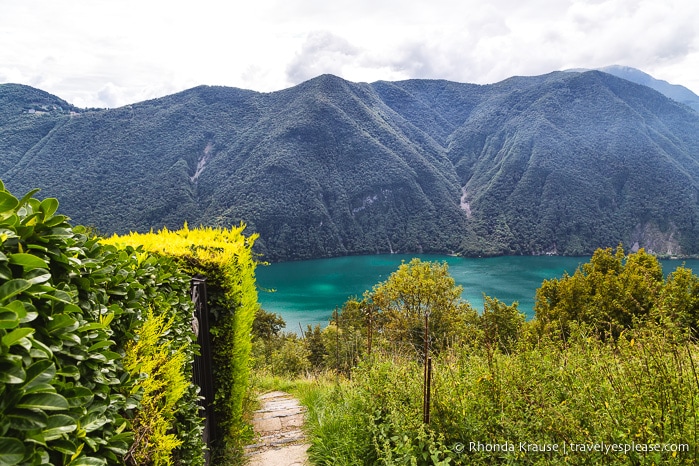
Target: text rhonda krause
566 447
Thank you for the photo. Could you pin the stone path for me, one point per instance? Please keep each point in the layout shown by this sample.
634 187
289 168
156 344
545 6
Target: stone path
280 438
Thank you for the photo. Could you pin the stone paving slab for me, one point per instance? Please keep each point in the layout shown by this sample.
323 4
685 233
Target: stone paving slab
280 440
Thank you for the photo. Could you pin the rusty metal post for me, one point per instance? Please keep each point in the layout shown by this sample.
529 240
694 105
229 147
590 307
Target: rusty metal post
428 391
427 373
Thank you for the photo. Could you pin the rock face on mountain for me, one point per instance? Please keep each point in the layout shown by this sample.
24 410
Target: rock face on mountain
561 163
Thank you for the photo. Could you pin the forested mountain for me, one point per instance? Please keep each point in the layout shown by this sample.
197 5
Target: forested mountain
561 163
674 91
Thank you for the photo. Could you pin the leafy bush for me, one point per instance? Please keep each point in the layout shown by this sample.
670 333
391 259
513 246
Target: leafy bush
69 306
612 293
225 258
639 390
162 383
61 376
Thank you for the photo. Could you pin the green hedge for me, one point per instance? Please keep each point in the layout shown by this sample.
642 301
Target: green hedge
225 258
69 305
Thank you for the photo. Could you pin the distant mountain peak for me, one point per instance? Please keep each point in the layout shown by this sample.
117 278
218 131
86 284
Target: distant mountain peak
675 92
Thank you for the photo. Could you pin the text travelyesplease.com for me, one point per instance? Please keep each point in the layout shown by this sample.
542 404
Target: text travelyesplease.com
567 448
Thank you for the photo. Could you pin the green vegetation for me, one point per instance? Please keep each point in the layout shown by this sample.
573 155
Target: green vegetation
224 257
563 163
606 373
96 341
70 305
164 382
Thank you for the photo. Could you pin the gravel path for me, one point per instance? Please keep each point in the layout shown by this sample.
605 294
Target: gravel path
280 438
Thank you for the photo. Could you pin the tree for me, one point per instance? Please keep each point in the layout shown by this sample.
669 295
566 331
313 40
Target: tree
501 324
267 325
611 292
314 344
679 299
267 337
418 289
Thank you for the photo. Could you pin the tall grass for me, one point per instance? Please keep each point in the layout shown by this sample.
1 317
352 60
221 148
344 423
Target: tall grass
637 392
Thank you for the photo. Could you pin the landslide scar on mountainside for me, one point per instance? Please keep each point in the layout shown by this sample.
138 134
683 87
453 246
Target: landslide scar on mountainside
201 163
465 206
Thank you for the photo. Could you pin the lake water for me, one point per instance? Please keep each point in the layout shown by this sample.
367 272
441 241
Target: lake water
307 292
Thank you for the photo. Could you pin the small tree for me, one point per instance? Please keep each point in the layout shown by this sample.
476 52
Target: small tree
415 290
316 347
501 324
610 292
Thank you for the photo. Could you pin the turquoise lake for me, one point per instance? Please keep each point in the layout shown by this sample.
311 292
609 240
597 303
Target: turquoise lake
307 292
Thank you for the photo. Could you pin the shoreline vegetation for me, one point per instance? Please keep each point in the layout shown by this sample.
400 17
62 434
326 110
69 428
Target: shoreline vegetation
606 372
473 256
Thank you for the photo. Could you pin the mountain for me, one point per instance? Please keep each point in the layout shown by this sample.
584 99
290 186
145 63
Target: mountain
674 91
561 163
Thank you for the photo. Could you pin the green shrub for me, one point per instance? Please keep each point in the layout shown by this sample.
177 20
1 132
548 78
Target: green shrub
523 388
69 306
225 258
61 376
162 383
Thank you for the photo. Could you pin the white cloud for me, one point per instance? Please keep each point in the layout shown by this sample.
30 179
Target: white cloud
322 53
99 53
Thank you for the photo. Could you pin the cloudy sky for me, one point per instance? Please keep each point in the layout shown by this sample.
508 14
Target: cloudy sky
108 53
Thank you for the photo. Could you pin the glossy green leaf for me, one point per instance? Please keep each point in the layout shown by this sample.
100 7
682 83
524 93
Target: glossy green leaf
7 202
18 308
55 220
100 345
12 288
58 233
27 419
8 319
61 323
49 206
91 326
69 371
12 451
70 339
5 272
40 372
11 371
16 335
64 446
39 350
88 461
37 276
57 425
78 396
25 310
45 401
27 198
11 220
41 388
93 422
35 436
28 261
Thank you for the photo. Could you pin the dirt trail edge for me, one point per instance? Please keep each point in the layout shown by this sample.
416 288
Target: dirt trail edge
280 438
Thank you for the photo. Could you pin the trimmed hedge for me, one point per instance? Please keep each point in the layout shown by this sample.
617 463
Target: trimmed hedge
225 258
64 394
84 324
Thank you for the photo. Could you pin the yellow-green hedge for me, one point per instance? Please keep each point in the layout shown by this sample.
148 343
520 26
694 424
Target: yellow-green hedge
225 258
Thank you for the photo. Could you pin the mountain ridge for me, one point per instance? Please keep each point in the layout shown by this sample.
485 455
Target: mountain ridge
560 163
675 92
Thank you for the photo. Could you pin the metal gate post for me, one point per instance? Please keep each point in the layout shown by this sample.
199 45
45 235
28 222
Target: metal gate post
202 373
